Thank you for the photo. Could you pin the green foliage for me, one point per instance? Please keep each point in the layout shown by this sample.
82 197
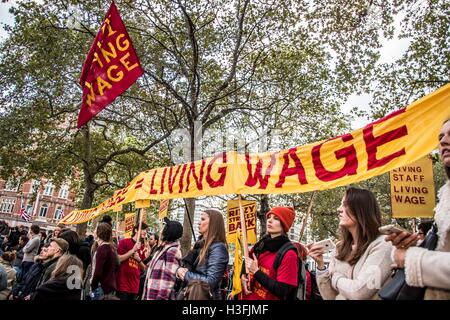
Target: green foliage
278 65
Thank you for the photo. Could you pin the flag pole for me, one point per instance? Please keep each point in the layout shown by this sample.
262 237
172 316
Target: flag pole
140 223
243 230
117 226
308 213
36 202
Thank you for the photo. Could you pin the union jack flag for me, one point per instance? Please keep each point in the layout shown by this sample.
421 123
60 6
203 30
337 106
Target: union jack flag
24 214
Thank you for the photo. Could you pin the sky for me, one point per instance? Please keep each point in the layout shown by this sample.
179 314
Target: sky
391 50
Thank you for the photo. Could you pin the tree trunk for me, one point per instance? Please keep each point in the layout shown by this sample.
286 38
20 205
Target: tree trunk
195 147
186 239
264 205
89 185
88 198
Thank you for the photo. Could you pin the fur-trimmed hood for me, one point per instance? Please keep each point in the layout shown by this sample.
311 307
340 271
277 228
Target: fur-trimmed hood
442 215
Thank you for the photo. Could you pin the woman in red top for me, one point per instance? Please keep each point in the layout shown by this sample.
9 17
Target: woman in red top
266 283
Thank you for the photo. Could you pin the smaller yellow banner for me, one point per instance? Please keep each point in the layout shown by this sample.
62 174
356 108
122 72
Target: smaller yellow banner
163 209
142 204
234 220
130 219
412 190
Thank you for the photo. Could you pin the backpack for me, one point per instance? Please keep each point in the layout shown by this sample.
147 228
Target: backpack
300 293
315 294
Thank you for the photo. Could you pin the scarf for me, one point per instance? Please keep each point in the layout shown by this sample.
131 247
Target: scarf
267 243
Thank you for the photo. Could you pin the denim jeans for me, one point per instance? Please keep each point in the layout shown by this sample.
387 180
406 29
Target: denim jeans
98 294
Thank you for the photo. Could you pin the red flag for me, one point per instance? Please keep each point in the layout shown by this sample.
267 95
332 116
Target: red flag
111 66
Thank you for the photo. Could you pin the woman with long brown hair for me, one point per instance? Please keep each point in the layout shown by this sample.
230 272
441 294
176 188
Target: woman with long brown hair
361 263
103 282
212 259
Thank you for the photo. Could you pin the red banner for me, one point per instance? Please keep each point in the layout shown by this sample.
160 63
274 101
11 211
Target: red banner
111 66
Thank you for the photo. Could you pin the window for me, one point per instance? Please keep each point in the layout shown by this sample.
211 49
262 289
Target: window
59 213
12 185
64 192
43 211
30 209
35 186
7 205
49 189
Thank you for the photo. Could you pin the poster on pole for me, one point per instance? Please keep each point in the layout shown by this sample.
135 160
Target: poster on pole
129 224
163 209
234 220
412 190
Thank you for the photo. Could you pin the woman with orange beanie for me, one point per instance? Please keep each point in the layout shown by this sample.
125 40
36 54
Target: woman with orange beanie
270 279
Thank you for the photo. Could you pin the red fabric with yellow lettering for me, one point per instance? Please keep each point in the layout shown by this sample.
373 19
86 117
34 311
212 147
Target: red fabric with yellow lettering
111 67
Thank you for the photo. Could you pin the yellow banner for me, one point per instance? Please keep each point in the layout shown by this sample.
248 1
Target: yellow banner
238 262
412 190
234 220
130 221
163 209
396 140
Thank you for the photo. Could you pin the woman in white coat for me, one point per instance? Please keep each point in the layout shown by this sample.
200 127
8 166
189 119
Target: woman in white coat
426 268
360 265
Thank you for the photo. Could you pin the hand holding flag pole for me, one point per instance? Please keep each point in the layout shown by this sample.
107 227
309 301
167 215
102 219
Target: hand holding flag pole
243 231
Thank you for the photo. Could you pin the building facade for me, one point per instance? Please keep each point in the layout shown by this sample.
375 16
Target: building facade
43 201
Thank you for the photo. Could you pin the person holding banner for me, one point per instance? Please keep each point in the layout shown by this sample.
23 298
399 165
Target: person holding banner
426 268
131 255
211 262
361 262
161 273
272 282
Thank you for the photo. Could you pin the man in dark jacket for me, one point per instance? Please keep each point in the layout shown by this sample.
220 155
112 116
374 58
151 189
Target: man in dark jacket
56 249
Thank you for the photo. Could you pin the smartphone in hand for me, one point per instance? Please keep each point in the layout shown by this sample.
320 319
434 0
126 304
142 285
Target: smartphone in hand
327 244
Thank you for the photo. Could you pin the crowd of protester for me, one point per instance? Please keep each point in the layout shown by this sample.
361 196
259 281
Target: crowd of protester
35 265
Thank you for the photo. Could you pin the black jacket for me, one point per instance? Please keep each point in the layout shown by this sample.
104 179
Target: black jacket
84 254
56 289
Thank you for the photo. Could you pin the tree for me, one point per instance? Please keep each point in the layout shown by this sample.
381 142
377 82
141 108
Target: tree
424 66
205 63
40 99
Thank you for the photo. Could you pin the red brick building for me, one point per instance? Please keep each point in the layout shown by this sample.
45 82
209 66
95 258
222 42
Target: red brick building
48 207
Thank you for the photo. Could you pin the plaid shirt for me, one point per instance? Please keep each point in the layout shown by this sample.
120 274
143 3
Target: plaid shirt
161 273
